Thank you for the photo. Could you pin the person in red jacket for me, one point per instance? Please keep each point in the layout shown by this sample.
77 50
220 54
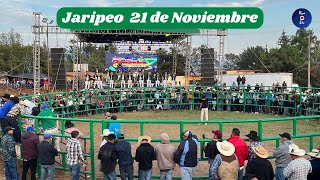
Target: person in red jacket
29 142
241 149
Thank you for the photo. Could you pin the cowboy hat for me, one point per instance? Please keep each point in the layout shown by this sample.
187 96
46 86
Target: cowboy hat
261 152
141 138
106 132
26 103
253 135
314 153
295 150
7 96
225 148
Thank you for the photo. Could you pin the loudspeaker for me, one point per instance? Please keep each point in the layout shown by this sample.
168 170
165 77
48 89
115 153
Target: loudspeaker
207 66
58 70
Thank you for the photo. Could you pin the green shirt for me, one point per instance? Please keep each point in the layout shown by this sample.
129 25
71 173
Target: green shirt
46 123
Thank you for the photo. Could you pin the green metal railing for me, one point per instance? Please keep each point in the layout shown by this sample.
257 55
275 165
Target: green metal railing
221 123
189 97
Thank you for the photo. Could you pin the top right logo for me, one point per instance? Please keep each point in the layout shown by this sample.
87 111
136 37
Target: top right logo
301 18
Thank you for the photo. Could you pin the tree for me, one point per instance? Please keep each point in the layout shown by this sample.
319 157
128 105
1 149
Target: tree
251 57
231 61
284 40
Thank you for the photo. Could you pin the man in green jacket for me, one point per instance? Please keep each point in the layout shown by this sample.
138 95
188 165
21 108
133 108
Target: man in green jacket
49 126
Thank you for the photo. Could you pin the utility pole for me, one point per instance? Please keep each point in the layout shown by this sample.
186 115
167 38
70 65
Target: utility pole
309 66
47 21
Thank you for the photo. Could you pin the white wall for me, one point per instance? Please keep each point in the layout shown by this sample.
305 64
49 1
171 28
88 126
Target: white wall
266 78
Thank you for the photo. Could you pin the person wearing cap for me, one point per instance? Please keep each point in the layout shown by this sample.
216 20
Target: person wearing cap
69 127
6 107
204 108
9 154
46 155
211 149
74 155
115 127
225 165
241 149
108 157
144 156
187 155
49 126
254 141
260 166
299 167
165 157
282 155
315 164
29 142
125 159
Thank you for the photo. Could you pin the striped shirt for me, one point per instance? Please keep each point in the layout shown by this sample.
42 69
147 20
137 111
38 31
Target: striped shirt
74 152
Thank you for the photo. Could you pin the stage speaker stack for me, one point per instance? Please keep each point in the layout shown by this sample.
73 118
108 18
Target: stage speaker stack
207 66
58 70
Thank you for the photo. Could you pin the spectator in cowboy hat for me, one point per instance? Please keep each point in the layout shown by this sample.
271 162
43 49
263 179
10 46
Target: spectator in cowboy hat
254 140
145 154
225 165
315 164
105 133
260 165
282 155
299 167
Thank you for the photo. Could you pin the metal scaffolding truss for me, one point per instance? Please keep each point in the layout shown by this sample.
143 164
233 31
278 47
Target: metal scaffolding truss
82 36
75 60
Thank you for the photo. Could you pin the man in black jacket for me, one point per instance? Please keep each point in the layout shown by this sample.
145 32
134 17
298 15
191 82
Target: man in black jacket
46 156
145 155
260 166
123 150
211 149
108 157
187 155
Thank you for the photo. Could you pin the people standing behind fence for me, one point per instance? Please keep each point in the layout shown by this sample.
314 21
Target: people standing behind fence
254 141
125 159
29 142
239 79
187 155
165 157
243 80
241 149
282 155
49 126
299 167
204 108
75 157
108 157
145 154
211 150
225 165
46 156
315 164
260 166
6 107
9 154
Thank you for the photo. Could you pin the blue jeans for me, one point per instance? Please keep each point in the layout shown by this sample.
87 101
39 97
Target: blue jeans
110 176
279 173
11 171
126 171
166 175
75 171
186 173
240 174
144 174
47 171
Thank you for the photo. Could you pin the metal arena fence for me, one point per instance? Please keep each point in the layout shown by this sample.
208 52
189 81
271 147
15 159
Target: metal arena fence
67 105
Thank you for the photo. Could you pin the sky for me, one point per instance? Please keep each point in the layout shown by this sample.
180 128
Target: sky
17 14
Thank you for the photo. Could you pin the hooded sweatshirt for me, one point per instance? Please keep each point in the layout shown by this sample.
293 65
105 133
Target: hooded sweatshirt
165 153
29 142
282 154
